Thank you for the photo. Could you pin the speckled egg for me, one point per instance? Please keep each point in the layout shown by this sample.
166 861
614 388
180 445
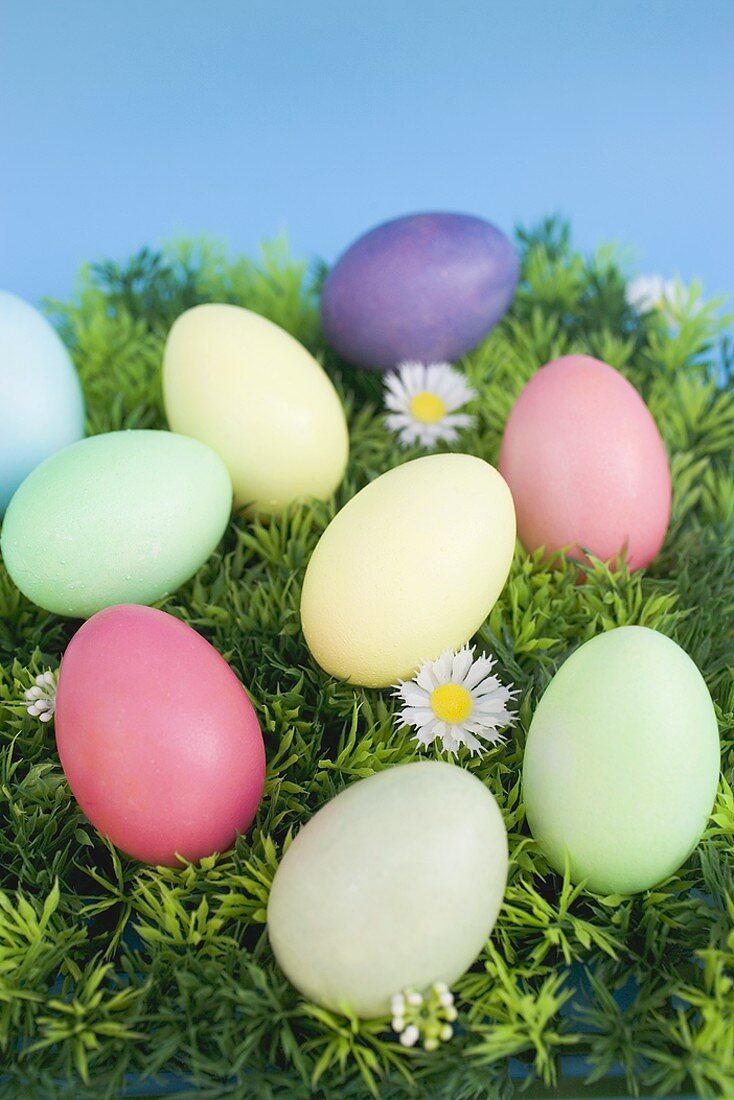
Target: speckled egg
124 517
586 464
395 883
426 287
412 565
622 761
41 405
249 390
157 737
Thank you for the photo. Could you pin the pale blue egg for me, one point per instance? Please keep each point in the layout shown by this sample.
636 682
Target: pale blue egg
41 403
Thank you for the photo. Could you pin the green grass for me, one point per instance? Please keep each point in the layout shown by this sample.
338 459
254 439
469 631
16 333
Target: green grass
110 969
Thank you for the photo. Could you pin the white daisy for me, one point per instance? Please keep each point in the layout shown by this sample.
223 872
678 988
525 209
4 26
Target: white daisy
41 699
423 399
652 292
456 699
647 292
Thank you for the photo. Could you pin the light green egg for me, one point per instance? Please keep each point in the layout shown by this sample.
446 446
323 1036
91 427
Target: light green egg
125 517
622 762
395 883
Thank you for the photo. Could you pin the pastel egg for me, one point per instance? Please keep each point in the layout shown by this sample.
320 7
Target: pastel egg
426 287
41 407
250 391
125 517
411 566
395 883
157 737
622 761
586 464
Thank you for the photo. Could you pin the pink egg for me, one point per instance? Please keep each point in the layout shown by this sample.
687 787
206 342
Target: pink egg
157 737
586 465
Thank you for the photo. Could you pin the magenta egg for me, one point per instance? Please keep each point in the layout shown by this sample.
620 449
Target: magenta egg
157 737
586 464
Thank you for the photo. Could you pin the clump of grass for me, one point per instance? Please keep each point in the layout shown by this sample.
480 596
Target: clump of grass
110 971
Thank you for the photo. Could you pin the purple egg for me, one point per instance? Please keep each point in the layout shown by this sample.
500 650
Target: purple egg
425 286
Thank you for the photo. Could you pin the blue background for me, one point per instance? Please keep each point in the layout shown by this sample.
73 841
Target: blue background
124 123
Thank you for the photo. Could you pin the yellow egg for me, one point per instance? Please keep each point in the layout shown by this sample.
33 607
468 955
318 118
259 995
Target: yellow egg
239 383
412 565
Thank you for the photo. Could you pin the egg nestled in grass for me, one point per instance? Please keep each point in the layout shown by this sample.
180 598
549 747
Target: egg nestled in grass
424 287
622 761
586 464
157 737
124 517
251 392
395 883
41 404
410 567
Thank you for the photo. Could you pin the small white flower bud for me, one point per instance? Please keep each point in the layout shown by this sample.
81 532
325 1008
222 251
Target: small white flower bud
451 1013
446 999
397 1004
446 1033
398 1023
415 999
410 1036
430 1044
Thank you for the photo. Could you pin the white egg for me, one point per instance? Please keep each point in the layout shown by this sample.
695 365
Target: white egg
394 883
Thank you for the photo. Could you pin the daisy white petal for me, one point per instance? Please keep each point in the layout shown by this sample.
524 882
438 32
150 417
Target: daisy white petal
457 420
442 667
426 677
414 695
449 742
416 716
480 671
461 664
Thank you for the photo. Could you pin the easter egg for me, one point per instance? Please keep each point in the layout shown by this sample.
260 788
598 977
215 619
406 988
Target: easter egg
395 883
125 517
586 464
250 391
157 737
411 566
424 287
622 761
41 404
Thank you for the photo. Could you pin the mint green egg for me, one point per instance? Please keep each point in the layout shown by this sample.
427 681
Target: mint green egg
622 762
125 517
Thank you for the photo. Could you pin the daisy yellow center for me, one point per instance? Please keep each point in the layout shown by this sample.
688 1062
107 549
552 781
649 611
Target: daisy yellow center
451 703
427 407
